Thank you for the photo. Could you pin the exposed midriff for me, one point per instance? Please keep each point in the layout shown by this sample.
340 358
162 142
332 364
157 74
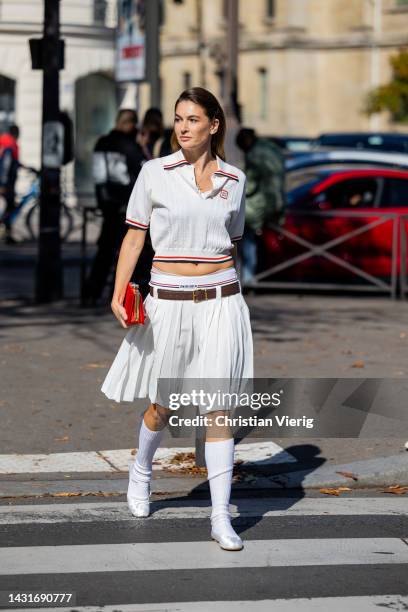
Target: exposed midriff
192 269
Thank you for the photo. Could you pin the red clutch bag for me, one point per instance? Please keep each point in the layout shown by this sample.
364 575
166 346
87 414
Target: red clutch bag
133 304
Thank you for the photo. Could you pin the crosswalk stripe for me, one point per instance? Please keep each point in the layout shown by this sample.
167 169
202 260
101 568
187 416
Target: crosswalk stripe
203 555
169 509
314 604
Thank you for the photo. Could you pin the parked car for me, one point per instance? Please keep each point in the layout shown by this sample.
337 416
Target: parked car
306 159
312 198
293 143
376 141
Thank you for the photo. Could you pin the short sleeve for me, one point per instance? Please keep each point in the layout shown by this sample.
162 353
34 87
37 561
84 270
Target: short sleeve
139 207
236 228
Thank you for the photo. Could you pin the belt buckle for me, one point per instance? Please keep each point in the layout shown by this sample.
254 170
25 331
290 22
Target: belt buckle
199 298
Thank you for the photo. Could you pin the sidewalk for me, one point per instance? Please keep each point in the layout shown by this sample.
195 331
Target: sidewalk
55 358
378 475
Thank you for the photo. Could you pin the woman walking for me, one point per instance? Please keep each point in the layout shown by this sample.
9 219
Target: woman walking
197 322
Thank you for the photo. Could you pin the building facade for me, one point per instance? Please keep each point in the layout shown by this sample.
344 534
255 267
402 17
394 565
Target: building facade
87 87
305 66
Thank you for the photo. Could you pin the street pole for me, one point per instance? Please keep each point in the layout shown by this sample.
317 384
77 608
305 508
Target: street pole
201 44
232 57
231 107
153 51
49 283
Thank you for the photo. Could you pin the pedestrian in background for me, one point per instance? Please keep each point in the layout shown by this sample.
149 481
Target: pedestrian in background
152 130
117 161
157 137
9 164
266 197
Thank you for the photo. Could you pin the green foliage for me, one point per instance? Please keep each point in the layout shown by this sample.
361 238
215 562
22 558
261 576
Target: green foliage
392 97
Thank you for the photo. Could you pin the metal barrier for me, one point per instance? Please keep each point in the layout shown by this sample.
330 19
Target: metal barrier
376 284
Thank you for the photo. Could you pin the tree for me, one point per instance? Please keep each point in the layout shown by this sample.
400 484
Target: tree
392 97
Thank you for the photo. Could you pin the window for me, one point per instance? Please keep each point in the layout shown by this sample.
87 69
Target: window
270 9
186 80
352 194
220 74
7 102
263 93
99 11
162 13
395 193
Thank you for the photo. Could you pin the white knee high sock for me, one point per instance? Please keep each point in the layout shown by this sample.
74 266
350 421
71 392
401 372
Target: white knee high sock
141 470
219 457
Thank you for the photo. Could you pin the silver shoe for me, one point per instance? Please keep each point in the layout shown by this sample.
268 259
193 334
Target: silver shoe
139 507
227 542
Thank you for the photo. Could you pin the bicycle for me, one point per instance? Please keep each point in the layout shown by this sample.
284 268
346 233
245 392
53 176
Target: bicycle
31 202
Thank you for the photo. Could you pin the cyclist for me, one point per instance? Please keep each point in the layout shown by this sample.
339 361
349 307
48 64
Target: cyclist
9 165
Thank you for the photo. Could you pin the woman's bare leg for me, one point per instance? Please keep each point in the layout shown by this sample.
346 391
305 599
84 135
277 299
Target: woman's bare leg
156 417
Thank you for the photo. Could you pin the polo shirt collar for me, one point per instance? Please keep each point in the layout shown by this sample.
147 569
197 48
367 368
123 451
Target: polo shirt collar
176 161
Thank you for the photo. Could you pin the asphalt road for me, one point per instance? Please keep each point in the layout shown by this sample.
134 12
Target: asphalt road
293 548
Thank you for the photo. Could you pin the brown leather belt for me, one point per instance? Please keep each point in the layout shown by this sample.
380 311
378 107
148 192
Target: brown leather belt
197 295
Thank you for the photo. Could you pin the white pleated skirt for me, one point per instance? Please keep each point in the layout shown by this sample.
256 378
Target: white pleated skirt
182 339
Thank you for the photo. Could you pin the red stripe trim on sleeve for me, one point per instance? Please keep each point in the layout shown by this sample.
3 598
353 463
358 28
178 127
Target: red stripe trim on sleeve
137 224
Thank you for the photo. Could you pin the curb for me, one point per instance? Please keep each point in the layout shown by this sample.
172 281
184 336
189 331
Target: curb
379 472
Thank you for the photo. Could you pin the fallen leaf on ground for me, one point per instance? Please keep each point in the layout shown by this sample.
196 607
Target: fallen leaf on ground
358 364
395 490
81 494
334 491
63 439
68 494
348 475
182 458
13 348
97 364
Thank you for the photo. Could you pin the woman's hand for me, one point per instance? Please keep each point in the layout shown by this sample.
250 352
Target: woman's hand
119 312
132 246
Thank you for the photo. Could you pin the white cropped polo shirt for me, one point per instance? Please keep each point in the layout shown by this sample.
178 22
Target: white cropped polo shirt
186 225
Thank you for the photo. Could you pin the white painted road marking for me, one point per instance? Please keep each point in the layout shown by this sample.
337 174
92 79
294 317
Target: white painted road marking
108 511
313 604
166 556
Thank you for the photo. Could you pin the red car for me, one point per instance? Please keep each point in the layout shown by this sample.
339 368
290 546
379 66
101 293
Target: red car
341 224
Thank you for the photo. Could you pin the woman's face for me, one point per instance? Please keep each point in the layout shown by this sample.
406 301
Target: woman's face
192 126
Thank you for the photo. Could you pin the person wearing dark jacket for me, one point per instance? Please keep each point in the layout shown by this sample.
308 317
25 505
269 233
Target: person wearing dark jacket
117 161
266 196
9 164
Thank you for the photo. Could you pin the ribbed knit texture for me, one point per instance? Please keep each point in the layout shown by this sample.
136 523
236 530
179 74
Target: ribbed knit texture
184 224
141 471
219 457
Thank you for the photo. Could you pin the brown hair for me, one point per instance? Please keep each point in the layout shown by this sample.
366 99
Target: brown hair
213 110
